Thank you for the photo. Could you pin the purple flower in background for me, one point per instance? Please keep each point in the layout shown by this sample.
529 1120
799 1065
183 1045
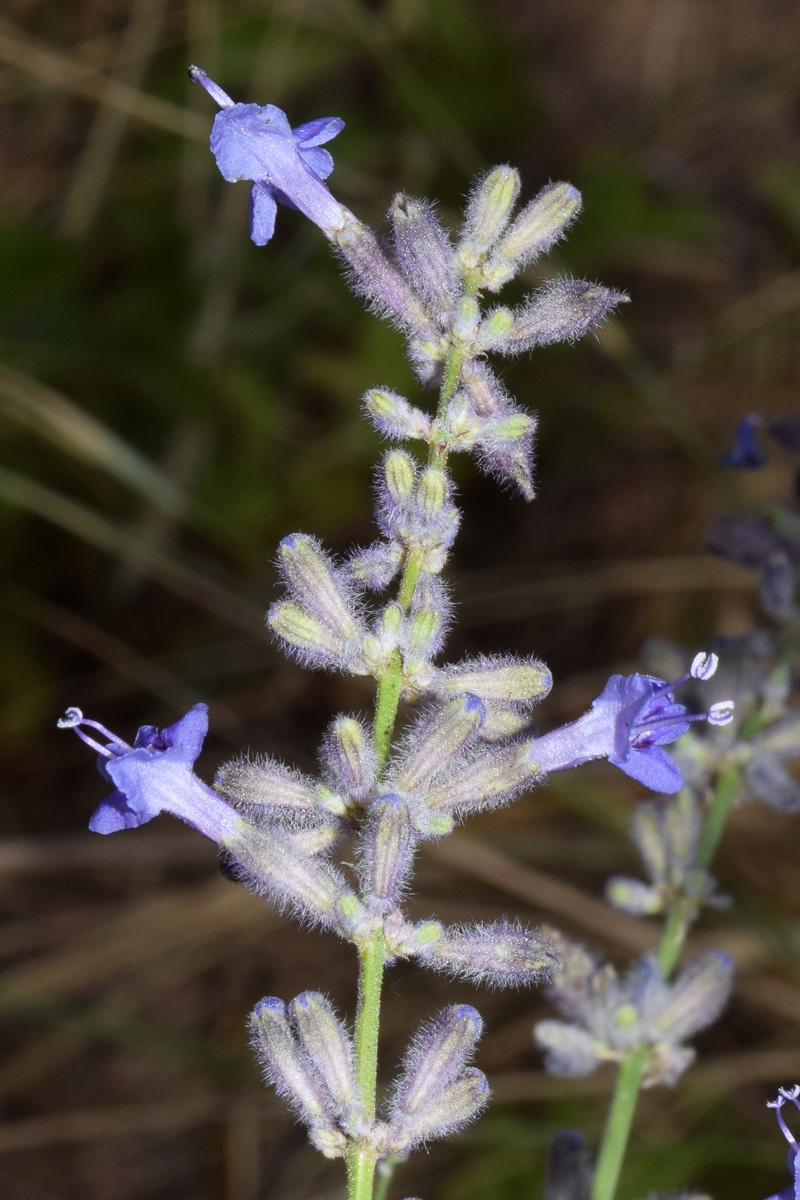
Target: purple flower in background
630 721
155 775
746 453
251 141
793 1158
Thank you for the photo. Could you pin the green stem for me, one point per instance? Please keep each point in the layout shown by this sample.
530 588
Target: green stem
384 1173
631 1071
361 1159
618 1125
718 814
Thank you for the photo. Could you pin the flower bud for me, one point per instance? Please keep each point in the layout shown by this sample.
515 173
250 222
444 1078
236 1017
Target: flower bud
501 954
374 276
508 680
273 866
650 835
569 1167
540 223
495 329
777 587
424 253
697 996
388 851
436 739
504 722
565 309
311 640
455 1106
331 1143
432 492
422 636
436 1057
285 1065
328 1046
487 394
460 426
427 356
569 1051
375 566
316 585
505 449
634 897
400 475
492 775
394 417
410 940
265 785
488 211
349 757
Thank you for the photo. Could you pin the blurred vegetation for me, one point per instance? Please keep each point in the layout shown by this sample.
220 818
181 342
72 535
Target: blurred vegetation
174 400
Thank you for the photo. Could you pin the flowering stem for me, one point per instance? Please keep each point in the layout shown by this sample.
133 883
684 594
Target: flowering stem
631 1071
361 1159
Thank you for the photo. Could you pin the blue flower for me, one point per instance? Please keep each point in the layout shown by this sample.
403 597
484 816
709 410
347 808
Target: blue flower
155 775
630 721
746 453
793 1157
251 141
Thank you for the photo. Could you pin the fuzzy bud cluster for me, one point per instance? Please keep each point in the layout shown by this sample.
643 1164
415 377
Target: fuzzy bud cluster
430 287
307 1055
609 1015
437 1092
319 622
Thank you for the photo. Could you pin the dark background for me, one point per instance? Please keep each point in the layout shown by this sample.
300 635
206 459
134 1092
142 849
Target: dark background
174 400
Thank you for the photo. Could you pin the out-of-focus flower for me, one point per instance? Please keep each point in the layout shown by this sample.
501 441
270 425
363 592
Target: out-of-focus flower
666 834
155 775
608 1015
746 453
569 1167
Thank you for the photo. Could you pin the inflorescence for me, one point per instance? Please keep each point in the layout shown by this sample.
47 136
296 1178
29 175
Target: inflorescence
466 741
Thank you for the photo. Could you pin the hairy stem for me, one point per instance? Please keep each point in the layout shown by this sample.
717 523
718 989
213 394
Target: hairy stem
361 1159
631 1071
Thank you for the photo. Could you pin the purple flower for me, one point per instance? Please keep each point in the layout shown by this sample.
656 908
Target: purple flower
630 721
793 1157
250 141
155 775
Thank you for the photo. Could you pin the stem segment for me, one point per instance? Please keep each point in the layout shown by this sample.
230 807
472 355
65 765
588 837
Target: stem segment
361 1159
631 1071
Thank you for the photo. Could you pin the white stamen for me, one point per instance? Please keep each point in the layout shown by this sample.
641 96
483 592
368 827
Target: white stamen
721 712
703 665
71 718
